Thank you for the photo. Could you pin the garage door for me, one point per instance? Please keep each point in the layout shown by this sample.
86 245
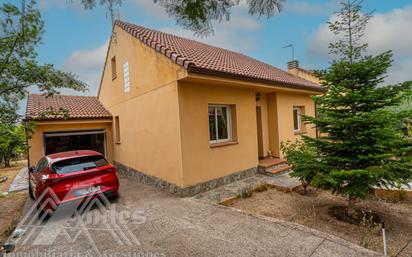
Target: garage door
55 142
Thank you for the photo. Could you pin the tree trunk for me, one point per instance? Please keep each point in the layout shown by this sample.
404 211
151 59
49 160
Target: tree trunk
6 161
351 206
305 188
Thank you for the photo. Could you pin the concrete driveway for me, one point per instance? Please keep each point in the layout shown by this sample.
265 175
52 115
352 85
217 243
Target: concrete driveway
147 222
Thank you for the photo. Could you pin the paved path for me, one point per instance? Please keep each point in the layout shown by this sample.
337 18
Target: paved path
20 182
283 182
165 225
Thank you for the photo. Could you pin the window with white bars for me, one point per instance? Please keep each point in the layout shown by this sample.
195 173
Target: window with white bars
126 77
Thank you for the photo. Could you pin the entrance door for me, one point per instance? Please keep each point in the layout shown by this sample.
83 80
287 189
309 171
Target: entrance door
259 131
55 142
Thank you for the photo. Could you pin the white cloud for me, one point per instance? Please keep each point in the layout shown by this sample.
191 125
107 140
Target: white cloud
400 71
235 34
87 64
240 22
151 9
223 38
385 31
227 34
391 31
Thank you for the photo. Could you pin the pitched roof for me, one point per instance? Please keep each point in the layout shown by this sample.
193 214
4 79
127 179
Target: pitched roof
78 107
201 58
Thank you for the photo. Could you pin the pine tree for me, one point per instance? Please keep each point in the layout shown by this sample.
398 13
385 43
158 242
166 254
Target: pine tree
360 143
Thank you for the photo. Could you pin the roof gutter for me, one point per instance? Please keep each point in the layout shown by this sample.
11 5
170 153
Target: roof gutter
68 120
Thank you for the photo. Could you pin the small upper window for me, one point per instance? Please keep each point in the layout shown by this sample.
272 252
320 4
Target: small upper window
297 119
113 64
126 77
117 129
220 126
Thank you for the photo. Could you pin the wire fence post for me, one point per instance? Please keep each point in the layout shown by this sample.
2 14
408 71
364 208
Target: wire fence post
385 249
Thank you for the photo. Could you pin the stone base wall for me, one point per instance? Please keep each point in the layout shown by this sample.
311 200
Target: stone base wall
394 194
141 177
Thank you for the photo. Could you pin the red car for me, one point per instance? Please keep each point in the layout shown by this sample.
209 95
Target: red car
70 177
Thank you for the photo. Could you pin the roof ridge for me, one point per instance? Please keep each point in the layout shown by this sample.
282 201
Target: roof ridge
198 42
168 52
37 94
185 38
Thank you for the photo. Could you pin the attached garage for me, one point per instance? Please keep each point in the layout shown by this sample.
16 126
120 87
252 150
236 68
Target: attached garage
87 128
55 142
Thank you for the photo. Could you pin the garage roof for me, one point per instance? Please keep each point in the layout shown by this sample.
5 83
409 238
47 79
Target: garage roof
205 59
41 107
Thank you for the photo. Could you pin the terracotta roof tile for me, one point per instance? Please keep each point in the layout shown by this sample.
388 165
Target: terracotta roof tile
78 107
201 58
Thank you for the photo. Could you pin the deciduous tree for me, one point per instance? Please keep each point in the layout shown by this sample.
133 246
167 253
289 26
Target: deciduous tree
21 30
198 15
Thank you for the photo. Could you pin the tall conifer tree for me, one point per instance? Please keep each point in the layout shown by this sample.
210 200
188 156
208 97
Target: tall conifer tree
360 143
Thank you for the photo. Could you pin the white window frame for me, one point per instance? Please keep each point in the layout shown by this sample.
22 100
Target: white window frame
229 123
126 77
298 110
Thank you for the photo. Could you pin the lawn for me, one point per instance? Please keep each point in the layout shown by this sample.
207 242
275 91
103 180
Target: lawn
11 205
312 210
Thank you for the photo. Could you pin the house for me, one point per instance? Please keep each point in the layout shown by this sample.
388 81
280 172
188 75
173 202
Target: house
180 114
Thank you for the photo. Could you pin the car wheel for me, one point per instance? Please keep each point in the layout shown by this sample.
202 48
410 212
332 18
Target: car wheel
31 191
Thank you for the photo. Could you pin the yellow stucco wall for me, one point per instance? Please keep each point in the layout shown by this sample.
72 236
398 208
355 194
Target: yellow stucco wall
201 162
149 113
285 104
148 70
36 149
263 104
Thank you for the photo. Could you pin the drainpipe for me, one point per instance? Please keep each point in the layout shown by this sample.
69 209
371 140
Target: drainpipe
27 144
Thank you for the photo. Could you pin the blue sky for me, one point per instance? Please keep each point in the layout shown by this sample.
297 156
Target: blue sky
75 39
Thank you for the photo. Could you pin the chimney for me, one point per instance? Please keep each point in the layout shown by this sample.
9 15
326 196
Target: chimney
293 68
294 64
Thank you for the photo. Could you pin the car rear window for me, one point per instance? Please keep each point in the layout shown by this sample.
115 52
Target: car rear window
79 164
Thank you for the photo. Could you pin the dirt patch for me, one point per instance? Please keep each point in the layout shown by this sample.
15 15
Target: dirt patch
313 210
10 173
360 217
11 207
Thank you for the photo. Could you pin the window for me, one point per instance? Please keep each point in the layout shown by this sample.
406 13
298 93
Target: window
79 164
220 125
41 165
117 129
113 64
297 119
126 77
